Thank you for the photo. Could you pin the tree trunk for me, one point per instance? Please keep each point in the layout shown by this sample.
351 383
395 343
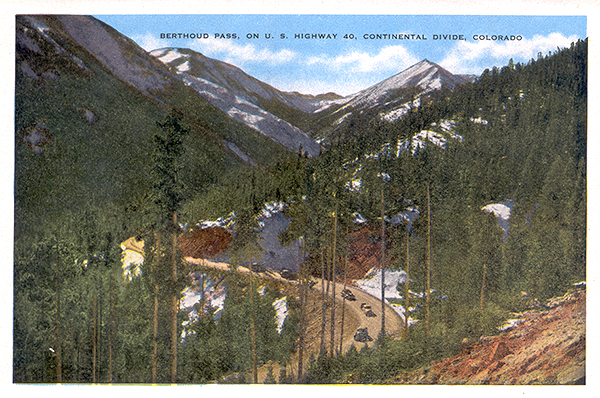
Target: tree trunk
99 338
428 292
155 336
327 297
58 338
112 323
174 304
155 323
382 263
94 339
344 297
406 285
323 302
302 330
481 299
253 336
333 259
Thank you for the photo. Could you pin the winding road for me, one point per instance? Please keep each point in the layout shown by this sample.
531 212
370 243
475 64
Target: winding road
355 316
394 323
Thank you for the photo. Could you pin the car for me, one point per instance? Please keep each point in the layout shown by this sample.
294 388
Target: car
362 335
348 295
287 274
256 267
366 308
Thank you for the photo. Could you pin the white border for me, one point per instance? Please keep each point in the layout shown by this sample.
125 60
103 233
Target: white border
9 8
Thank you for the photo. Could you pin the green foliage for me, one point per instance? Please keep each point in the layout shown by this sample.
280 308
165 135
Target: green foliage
378 364
215 349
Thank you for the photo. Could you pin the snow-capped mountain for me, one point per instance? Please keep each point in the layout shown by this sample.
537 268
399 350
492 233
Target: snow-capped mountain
425 74
242 96
235 80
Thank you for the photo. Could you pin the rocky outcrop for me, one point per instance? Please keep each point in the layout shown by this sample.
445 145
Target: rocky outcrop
547 347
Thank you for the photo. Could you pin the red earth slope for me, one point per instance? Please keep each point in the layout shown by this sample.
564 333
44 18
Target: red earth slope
548 347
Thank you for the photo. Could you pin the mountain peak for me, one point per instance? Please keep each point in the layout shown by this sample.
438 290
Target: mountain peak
425 74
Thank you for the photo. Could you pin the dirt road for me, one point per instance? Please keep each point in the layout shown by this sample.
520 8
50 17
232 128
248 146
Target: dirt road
354 316
363 305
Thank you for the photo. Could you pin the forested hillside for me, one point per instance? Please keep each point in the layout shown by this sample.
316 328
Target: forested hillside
88 178
520 142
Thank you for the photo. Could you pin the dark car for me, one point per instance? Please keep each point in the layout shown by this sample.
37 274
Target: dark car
367 310
256 267
348 295
362 335
287 274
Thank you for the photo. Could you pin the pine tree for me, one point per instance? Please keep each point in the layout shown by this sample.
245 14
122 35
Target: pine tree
168 195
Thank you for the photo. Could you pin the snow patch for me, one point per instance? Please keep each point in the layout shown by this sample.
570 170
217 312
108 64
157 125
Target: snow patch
359 219
354 185
372 283
410 215
479 121
281 312
400 310
402 146
184 67
159 52
249 119
448 125
384 176
131 262
510 324
418 141
502 213
209 288
223 222
171 56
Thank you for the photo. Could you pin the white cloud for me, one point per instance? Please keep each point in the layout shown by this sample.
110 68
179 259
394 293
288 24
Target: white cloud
474 57
150 42
231 52
394 58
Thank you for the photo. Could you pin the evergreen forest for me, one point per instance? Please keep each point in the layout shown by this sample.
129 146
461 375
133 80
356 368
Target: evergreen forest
523 130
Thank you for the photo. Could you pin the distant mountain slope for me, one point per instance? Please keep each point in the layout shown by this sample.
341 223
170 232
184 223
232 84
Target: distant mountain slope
87 103
233 79
243 97
387 101
427 75
121 55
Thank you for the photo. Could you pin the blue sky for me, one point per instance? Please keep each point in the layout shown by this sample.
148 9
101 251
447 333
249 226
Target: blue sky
346 65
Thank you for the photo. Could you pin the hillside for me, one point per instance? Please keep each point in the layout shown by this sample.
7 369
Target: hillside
242 97
546 345
387 101
236 80
87 103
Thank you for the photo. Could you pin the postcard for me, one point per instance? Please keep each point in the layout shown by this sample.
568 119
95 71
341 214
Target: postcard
312 198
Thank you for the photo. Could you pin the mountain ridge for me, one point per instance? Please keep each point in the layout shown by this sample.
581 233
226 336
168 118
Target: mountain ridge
231 90
234 79
424 74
